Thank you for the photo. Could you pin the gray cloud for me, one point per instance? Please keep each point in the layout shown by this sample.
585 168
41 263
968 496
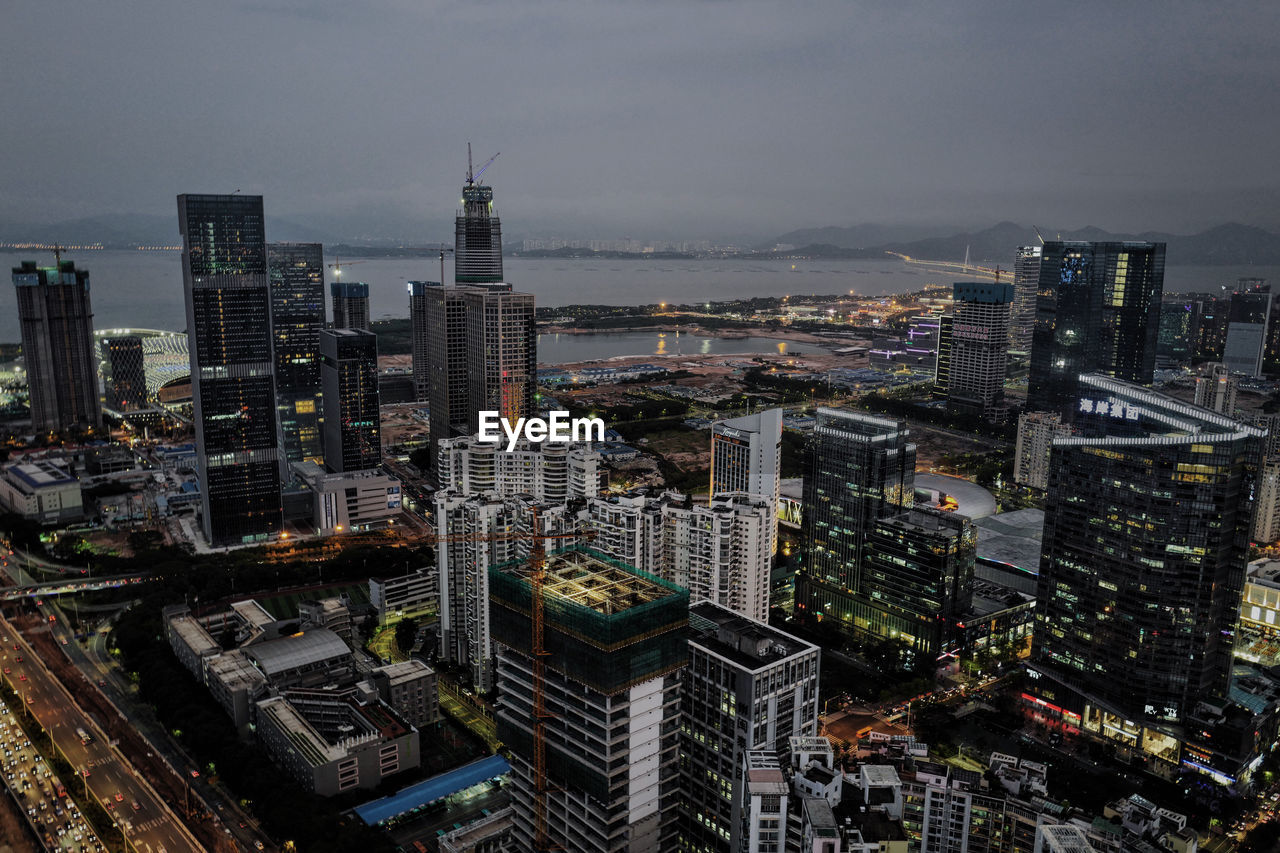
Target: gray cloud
651 118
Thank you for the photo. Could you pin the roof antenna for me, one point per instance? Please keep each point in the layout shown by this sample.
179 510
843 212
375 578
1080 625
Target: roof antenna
470 180
1038 234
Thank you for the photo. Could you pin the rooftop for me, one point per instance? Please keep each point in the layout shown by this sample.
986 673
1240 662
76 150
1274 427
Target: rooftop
194 635
1012 538
235 671
41 474
399 673
746 642
583 577
253 613
297 650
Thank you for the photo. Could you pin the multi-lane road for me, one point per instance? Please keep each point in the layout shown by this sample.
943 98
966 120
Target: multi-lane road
150 828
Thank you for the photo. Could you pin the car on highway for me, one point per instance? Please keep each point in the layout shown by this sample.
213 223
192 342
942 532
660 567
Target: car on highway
119 797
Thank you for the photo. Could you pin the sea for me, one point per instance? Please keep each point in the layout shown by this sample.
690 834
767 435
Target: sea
143 289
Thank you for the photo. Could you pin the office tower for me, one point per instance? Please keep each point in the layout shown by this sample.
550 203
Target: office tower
979 340
56 317
1248 319
1217 390
125 364
438 329
350 304
1266 518
297 316
1098 311
746 457
1036 432
462 565
617 640
228 300
477 246
547 471
1212 315
860 468
747 687
349 377
1026 286
502 353
917 578
1174 341
942 362
1146 537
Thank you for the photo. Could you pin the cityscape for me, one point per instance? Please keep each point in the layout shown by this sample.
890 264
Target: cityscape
329 525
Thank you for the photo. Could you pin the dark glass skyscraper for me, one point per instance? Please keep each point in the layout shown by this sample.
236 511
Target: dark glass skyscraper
125 365
1098 311
860 469
1146 539
352 429
297 316
350 304
477 253
228 296
56 317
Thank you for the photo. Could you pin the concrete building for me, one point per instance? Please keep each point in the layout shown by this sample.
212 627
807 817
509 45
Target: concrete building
1266 516
349 379
1217 390
747 687
463 566
351 501
746 457
350 304
766 804
410 687
329 613
1062 839
1250 315
1026 282
55 314
345 744
306 659
548 471
978 348
1036 432
612 684
41 491
414 593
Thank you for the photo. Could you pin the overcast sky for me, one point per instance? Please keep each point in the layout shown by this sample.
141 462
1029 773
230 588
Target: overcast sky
647 118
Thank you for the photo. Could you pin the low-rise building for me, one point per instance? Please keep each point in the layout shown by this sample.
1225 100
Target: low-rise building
329 613
41 491
411 688
350 501
413 593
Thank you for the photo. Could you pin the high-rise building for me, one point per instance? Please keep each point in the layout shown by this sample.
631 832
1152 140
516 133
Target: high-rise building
547 471
228 296
1176 338
1248 319
942 359
860 469
463 566
297 316
979 341
502 353
746 457
747 687
1098 311
477 246
350 304
1217 390
916 582
766 803
617 640
125 365
438 343
1026 286
1266 519
56 317
1036 432
1146 539
349 377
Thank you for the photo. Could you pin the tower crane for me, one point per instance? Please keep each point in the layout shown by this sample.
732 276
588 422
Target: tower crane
471 179
537 652
337 266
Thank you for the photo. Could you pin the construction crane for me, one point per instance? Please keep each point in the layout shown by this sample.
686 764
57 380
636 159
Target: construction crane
337 266
538 652
471 179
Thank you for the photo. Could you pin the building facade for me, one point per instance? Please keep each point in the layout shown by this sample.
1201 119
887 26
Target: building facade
860 468
1026 285
746 457
349 378
350 304
1098 311
1247 322
1145 545
56 318
228 300
978 349
617 642
297 316
1217 390
548 471
1036 432
747 687
124 364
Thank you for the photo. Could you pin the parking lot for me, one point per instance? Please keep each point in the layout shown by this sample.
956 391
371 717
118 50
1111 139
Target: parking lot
40 794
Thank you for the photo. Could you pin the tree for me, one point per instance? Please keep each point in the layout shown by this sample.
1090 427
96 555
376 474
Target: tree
406 632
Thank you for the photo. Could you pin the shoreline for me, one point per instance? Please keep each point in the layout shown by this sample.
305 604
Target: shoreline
724 334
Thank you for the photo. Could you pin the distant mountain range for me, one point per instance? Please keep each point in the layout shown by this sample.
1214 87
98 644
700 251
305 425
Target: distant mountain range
1230 244
126 230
